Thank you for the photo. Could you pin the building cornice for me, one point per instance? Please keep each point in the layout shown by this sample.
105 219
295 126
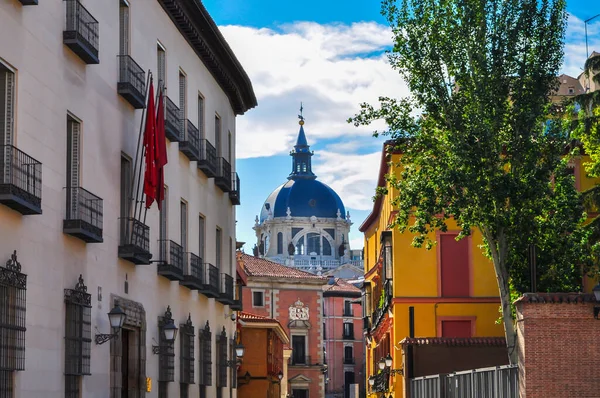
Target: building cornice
196 25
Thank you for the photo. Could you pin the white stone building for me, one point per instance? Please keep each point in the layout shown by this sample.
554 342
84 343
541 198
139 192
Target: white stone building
73 84
303 223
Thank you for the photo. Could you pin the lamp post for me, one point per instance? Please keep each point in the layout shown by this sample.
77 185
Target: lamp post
116 318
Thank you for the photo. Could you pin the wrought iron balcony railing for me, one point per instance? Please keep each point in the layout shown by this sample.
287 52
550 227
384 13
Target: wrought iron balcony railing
349 361
29 2
348 336
173 125
237 300
171 260
132 82
348 313
20 181
211 286
226 293
208 158
84 215
193 274
302 360
223 177
81 33
134 244
190 141
234 194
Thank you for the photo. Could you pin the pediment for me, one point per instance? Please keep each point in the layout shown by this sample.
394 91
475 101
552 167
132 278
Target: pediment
299 379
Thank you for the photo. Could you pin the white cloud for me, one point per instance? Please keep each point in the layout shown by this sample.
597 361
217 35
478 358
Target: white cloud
575 54
330 68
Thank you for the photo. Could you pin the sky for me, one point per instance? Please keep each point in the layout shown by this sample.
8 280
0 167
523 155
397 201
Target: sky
329 55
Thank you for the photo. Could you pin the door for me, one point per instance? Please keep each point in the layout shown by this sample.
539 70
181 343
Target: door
299 393
130 363
348 380
299 349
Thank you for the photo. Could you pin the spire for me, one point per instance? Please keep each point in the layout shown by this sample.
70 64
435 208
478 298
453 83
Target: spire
301 155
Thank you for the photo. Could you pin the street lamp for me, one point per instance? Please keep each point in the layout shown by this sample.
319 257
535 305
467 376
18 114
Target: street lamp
381 364
388 361
239 351
170 332
371 381
116 318
280 375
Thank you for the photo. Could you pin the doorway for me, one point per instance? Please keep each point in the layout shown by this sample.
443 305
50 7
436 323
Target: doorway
130 363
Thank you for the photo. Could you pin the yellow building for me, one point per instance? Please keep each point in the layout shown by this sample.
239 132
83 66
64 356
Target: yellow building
448 292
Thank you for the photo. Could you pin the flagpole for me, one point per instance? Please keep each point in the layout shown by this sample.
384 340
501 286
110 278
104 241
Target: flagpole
137 153
157 108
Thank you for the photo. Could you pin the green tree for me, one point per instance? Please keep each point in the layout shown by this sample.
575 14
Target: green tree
474 134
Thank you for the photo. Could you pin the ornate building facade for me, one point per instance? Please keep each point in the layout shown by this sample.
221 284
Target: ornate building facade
303 223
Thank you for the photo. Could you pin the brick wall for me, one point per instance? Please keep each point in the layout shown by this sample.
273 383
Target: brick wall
559 346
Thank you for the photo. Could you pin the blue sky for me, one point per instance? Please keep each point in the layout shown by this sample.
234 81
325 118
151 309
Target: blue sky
329 55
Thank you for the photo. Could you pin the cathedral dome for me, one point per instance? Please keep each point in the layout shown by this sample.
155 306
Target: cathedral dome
302 193
305 198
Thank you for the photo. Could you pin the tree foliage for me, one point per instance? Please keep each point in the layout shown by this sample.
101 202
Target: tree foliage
475 138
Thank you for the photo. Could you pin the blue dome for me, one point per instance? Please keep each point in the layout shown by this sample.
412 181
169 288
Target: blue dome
305 198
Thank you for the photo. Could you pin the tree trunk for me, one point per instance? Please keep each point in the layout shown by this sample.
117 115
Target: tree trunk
499 250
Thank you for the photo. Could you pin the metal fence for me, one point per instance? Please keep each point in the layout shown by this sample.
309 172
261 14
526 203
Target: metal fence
496 382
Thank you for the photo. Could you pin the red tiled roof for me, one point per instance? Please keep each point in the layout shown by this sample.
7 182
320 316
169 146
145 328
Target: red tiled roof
255 266
248 317
455 341
556 298
341 285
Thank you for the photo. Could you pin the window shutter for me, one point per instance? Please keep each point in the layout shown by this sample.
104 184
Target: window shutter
184 226
201 116
218 249
124 28
74 155
182 102
161 65
7 98
201 238
218 135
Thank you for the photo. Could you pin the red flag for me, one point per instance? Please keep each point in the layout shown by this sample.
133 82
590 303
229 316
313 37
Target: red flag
150 176
161 151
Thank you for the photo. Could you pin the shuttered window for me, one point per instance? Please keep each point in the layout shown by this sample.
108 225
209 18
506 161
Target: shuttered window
73 166
201 237
123 27
201 116
218 135
183 96
7 103
161 65
184 226
229 147
218 248
222 360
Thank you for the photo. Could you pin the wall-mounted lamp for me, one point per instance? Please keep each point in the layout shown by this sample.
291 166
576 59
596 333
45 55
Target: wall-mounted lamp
385 365
116 317
371 381
170 332
239 354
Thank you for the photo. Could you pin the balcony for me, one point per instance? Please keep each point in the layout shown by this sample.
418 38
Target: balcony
211 287
81 33
237 301
135 241
84 215
171 260
223 177
348 361
226 294
348 336
173 125
300 360
20 181
190 141
366 323
208 158
29 2
192 278
132 82
234 194
348 313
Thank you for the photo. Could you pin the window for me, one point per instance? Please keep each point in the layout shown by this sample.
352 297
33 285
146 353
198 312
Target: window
299 350
324 331
161 65
258 299
7 104
184 226
299 393
222 360
348 330
348 354
123 27
73 166
186 344
201 237
13 285
201 116
162 228
313 243
182 96
218 136
348 308
205 361
452 328
454 267
279 243
125 186
229 147
218 249
300 246
326 247
78 337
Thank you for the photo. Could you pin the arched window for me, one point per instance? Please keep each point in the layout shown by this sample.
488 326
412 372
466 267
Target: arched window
280 243
326 247
313 243
300 246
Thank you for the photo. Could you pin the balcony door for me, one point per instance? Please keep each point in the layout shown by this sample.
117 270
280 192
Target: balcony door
299 350
7 97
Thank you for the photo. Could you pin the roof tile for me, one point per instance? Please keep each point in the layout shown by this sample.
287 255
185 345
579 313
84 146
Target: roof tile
255 266
341 285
